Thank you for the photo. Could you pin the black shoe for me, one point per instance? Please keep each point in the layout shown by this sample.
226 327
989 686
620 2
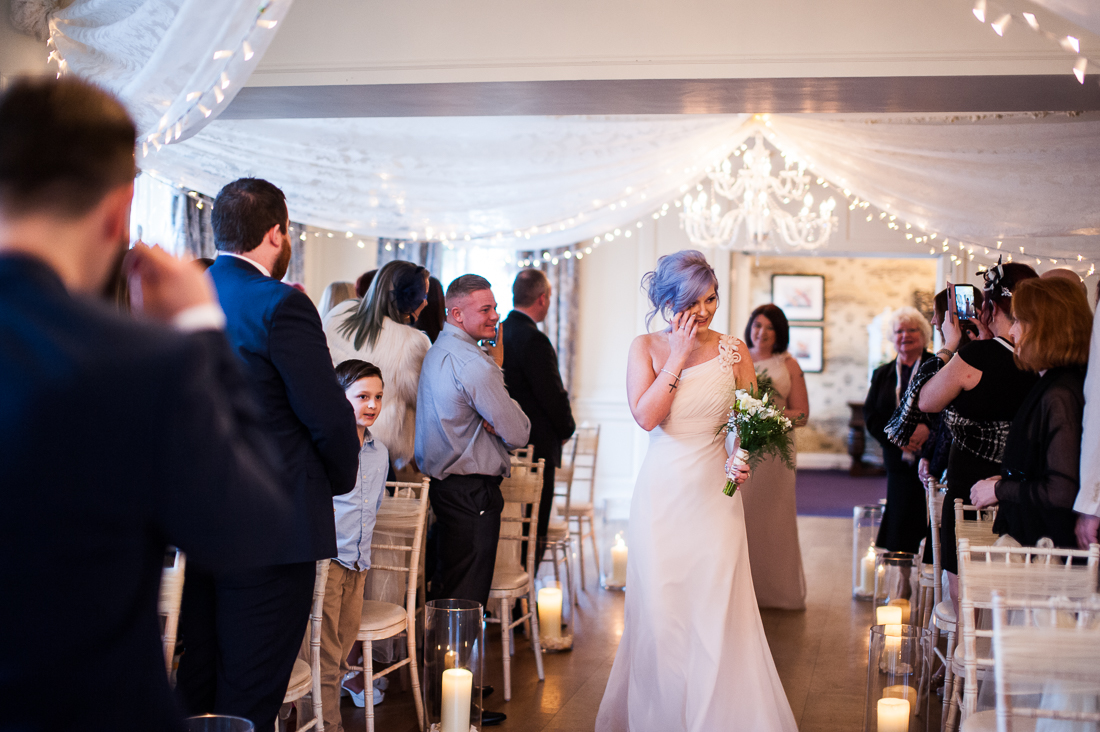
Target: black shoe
486 691
492 719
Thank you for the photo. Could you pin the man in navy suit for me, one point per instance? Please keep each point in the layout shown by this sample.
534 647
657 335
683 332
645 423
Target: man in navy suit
117 437
242 630
532 377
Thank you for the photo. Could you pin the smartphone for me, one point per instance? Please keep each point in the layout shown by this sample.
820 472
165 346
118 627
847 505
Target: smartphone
964 302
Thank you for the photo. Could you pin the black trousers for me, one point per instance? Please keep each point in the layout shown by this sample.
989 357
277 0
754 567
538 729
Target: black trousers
241 632
467 511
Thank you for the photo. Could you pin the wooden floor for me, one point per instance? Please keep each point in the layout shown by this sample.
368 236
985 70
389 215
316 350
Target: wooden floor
821 654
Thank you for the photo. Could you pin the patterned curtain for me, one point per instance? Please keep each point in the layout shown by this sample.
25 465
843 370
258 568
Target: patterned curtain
191 222
561 320
195 235
428 254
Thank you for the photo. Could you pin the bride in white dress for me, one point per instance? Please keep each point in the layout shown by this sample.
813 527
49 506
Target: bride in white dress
693 655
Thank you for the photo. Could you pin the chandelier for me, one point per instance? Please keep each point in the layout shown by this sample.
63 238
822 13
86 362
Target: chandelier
757 200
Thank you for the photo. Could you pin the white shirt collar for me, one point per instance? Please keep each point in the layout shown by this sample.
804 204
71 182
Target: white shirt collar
253 262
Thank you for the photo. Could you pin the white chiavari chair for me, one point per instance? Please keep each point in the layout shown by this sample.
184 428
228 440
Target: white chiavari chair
1021 573
581 514
939 615
305 679
395 549
513 576
559 540
1044 664
978 530
168 606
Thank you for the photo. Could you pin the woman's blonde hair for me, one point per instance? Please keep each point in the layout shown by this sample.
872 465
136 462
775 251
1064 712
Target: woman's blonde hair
1058 324
911 315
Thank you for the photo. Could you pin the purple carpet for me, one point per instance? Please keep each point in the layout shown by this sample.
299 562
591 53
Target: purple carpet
834 492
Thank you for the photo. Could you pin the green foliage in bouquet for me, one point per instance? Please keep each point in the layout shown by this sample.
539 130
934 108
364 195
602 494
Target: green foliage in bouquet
762 427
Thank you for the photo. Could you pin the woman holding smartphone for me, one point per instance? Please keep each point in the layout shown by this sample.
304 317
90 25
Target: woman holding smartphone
980 389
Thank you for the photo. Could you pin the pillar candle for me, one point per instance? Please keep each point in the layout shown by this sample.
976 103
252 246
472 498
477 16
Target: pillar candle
893 715
904 605
458 685
618 562
549 603
900 691
891 654
867 573
888 615
450 660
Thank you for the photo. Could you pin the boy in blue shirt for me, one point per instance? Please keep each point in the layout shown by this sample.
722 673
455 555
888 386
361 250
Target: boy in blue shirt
355 514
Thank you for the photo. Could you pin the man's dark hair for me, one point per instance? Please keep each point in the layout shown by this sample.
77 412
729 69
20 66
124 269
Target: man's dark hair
64 145
528 286
350 371
466 285
244 211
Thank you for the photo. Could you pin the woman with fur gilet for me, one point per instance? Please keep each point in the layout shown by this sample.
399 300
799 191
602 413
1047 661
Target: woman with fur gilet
376 329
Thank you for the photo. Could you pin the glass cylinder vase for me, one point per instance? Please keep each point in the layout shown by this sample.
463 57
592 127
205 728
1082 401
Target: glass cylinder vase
454 657
897 581
865 523
897 673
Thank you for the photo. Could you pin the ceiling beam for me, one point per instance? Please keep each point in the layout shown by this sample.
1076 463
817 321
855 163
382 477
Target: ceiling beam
860 95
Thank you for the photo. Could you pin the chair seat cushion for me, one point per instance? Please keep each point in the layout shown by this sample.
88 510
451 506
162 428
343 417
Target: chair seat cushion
379 615
580 509
509 579
986 721
301 681
557 531
944 616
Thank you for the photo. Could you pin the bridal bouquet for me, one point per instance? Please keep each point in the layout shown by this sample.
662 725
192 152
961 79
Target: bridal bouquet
760 426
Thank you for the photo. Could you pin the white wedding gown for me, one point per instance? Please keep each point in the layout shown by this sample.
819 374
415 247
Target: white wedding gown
693 655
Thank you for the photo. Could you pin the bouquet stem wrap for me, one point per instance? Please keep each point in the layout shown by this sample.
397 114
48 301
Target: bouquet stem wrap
740 457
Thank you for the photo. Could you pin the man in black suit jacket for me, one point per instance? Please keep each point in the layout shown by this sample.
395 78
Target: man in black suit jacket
242 630
117 437
532 377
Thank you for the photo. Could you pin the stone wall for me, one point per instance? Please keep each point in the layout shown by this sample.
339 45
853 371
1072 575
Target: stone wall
856 290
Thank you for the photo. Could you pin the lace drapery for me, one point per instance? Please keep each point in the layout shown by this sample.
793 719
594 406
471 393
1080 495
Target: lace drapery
986 177
566 179
510 182
175 64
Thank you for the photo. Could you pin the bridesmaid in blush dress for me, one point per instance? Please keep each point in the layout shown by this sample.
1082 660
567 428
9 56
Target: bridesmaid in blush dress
771 522
693 656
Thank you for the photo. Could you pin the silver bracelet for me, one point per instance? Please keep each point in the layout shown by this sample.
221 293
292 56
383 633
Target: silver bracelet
673 385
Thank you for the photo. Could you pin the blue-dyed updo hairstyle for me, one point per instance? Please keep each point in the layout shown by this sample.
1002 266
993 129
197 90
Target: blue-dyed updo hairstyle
679 280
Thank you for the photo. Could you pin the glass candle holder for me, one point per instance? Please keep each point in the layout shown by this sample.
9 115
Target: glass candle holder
897 582
865 523
454 657
897 671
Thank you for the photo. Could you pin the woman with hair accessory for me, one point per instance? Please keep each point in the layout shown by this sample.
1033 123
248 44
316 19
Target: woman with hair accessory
771 520
905 518
1039 477
693 654
984 389
378 329
434 315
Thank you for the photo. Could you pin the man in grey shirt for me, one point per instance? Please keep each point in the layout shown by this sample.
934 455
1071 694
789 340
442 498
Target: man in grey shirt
465 425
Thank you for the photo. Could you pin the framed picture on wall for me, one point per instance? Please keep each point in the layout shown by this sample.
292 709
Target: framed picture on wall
800 297
807 345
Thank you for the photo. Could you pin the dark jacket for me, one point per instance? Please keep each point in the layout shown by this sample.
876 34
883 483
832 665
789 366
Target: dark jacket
116 439
880 406
276 332
1041 468
533 380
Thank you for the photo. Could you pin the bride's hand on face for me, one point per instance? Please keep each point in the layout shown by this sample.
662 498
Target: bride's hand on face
681 335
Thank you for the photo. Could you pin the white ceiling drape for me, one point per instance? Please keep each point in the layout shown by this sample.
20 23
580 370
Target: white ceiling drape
982 178
176 64
515 182
560 180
